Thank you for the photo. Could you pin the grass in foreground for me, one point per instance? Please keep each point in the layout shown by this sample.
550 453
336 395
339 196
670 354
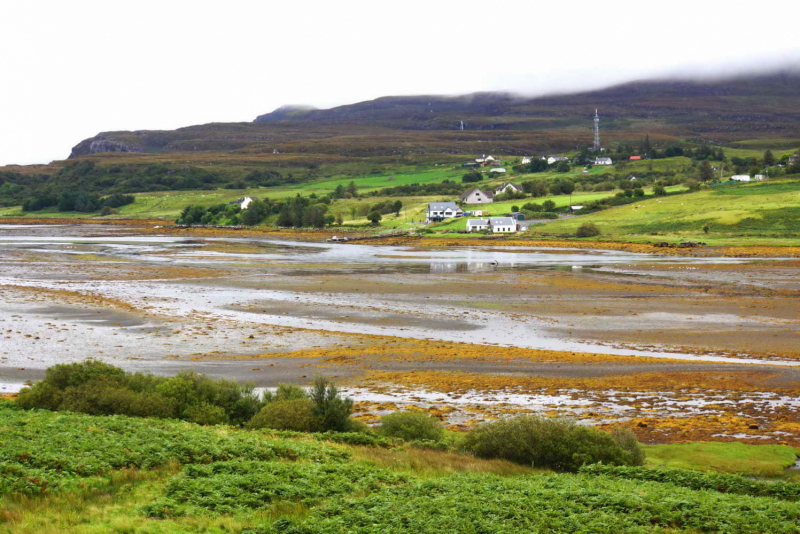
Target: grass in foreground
222 480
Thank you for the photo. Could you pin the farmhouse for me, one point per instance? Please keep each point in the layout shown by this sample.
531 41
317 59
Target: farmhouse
244 202
476 196
556 159
476 225
503 225
485 160
439 211
603 161
506 187
741 178
526 160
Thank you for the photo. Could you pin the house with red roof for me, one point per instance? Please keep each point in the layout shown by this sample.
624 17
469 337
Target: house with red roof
635 158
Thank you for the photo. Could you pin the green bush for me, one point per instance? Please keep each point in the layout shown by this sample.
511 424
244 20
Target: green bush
331 408
587 230
411 426
100 389
559 444
295 414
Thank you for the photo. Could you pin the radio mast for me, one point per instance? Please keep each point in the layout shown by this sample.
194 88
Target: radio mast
596 132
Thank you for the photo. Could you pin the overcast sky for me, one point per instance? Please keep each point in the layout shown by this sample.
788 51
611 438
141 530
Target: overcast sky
71 69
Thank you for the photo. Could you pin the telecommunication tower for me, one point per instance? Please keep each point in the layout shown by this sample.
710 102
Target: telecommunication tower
596 132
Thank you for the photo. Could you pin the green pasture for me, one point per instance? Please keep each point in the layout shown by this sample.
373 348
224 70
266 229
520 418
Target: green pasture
765 210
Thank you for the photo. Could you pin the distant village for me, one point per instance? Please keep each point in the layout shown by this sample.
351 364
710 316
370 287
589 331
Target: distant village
513 222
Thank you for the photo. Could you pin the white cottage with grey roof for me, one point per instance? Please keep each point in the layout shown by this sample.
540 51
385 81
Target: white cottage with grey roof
476 225
503 225
439 211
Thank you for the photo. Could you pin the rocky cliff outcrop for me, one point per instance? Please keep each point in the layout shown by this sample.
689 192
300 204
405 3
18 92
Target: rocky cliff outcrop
103 143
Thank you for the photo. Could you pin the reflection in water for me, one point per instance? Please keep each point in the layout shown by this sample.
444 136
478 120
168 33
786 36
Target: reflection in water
463 267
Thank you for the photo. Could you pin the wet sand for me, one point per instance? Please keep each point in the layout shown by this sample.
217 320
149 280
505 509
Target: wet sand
420 324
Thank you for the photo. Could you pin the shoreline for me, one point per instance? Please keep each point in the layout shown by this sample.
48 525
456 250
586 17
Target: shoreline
160 226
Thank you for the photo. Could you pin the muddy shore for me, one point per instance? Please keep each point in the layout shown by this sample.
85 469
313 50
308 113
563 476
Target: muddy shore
468 332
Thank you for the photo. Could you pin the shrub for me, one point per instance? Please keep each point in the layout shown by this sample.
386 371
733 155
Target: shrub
559 444
587 230
331 408
659 191
100 389
410 426
294 414
285 392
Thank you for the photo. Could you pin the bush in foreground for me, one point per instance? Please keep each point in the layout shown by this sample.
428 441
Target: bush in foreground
411 426
101 389
587 230
558 444
294 414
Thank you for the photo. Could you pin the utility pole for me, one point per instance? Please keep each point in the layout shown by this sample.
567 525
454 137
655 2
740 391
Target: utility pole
596 131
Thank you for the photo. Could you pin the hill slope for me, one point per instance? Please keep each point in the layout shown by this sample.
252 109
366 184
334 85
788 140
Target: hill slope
498 122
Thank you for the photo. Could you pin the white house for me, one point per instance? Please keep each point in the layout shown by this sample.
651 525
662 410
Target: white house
759 177
506 187
476 225
485 159
556 159
503 225
741 178
438 211
603 161
497 169
526 160
244 202
476 196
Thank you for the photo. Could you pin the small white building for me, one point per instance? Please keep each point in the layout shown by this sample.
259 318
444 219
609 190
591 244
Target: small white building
526 160
476 196
501 170
439 211
485 160
556 159
476 225
508 187
603 161
578 207
759 177
741 178
244 202
503 225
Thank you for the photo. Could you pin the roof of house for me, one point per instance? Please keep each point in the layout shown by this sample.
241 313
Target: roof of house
502 221
603 159
634 158
505 185
487 194
477 222
441 206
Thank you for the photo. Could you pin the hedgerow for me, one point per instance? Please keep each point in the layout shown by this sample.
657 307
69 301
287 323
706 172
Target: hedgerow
721 482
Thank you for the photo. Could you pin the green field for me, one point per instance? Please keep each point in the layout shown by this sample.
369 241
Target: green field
66 472
762 210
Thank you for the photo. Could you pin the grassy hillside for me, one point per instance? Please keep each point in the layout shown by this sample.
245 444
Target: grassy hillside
770 210
91 474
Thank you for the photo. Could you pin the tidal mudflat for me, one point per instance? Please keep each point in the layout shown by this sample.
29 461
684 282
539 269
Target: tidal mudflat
677 347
